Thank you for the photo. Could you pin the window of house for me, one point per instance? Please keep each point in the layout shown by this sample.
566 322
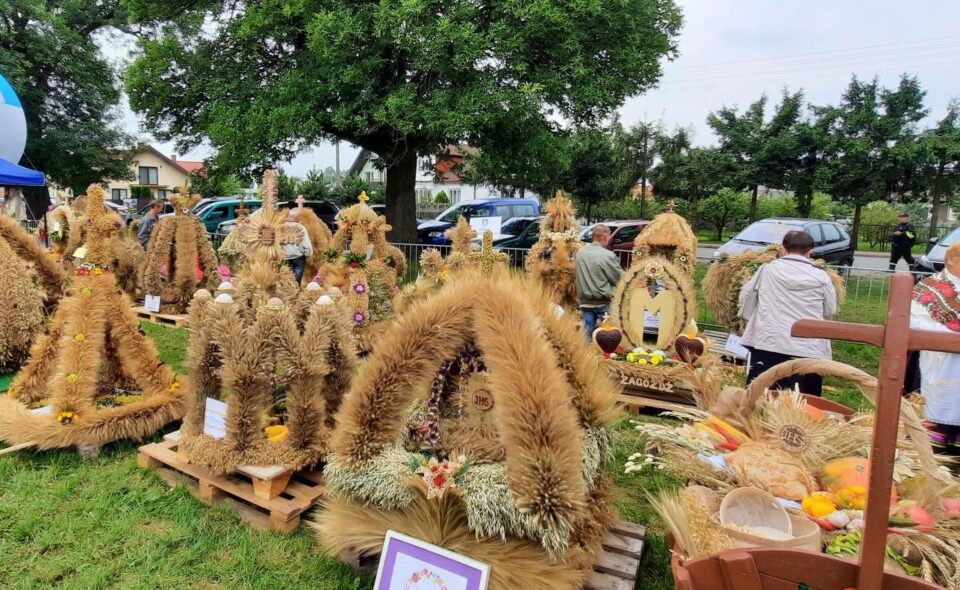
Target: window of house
424 194
118 194
162 193
148 175
454 195
368 176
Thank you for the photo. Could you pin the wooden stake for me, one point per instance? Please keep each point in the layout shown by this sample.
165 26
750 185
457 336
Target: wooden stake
897 339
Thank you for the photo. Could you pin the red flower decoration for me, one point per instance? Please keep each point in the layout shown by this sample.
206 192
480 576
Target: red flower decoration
440 480
947 290
354 265
953 325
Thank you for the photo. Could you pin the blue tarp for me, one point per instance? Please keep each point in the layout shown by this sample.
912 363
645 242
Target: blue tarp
14 175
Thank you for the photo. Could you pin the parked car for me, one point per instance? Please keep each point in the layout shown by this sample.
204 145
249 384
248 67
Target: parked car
933 260
224 210
622 235
831 241
325 210
431 232
516 236
131 216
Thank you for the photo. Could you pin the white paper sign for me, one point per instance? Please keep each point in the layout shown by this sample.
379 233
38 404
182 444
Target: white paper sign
80 253
43 411
482 224
152 303
215 418
407 563
733 346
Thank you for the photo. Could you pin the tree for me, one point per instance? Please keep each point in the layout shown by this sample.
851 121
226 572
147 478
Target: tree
537 161
940 161
212 183
689 173
288 187
723 208
764 151
68 91
598 167
350 188
642 144
801 177
267 78
868 134
316 186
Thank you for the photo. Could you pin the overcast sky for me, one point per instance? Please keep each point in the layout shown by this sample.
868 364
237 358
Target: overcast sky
732 51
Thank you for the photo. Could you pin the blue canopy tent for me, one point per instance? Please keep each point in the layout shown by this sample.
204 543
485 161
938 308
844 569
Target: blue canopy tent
14 175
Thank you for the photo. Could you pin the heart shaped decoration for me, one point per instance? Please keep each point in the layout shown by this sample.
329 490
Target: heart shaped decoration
689 349
607 337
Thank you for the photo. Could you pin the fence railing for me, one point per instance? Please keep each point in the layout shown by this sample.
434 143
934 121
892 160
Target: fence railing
866 288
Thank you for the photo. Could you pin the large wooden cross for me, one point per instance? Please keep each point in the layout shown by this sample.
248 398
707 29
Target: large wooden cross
897 340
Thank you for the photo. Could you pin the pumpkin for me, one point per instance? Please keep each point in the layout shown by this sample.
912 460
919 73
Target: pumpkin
849 471
840 475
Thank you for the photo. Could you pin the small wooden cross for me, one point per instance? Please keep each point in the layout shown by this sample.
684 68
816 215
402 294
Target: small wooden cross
671 206
486 259
896 339
300 202
363 198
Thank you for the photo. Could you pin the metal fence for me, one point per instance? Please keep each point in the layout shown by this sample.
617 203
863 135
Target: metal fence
866 289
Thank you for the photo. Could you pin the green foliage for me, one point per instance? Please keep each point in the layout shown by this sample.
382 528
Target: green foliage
876 220
396 78
441 198
686 172
822 206
776 206
723 209
288 187
599 167
316 186
350 188
214 183
141 193
68 90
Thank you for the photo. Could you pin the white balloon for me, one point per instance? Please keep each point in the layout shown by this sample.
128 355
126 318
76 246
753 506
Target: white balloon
13 140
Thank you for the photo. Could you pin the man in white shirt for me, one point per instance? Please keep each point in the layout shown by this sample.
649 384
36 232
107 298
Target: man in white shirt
781 292
936 307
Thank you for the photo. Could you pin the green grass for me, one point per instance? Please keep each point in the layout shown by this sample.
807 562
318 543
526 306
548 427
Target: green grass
76 524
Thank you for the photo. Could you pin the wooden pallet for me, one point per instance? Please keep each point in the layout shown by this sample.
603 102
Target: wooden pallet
616 568
167 319
266 498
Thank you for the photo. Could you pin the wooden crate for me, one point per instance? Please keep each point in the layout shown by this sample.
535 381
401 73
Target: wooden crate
267 498
616 568
166 319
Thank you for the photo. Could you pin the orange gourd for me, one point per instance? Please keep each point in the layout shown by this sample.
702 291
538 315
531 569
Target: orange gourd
849 471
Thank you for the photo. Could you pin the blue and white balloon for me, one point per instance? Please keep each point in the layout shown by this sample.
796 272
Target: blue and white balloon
13 123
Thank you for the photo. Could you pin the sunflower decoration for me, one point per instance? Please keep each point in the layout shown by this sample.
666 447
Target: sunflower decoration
268 231
809 433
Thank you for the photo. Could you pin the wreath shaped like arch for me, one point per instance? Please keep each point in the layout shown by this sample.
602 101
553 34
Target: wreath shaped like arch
552 406
643 275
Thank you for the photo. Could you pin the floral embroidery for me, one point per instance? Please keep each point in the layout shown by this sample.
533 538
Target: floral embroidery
938 295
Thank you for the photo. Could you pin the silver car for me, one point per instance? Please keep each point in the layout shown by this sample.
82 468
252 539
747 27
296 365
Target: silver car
932 261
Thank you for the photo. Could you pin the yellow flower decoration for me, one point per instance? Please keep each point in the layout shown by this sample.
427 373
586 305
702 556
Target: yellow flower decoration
66 417
86 291
79 337
98 271
175 386
656 360
72 378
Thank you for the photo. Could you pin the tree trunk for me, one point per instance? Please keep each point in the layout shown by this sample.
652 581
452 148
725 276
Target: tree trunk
402 197
937 196
753 202
855 230
804 203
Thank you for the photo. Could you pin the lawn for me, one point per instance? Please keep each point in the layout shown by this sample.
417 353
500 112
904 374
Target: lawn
75 524
69 523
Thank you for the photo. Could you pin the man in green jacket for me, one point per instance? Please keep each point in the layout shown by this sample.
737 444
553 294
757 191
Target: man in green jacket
598 272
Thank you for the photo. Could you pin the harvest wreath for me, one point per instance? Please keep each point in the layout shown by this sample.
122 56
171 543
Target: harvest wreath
435 464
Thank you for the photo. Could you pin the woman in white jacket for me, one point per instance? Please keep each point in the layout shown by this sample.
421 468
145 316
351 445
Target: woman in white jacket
781 292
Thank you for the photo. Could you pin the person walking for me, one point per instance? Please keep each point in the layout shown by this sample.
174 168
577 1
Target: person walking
598 272
936 307
781 292
904 237
148 222
296 254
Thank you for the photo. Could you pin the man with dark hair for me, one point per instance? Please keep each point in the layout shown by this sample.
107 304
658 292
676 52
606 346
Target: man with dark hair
598 272
904 237
781 292
149 220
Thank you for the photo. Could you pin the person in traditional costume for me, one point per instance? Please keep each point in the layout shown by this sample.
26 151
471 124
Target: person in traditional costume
936 307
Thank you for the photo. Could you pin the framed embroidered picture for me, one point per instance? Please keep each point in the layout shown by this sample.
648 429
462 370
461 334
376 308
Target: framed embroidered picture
411 564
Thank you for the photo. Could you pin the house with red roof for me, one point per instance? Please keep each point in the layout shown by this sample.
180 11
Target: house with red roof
159 172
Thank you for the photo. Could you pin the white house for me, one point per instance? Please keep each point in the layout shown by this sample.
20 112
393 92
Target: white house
434 174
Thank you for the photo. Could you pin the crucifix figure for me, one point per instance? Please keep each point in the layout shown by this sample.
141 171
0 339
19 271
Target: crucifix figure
896 338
